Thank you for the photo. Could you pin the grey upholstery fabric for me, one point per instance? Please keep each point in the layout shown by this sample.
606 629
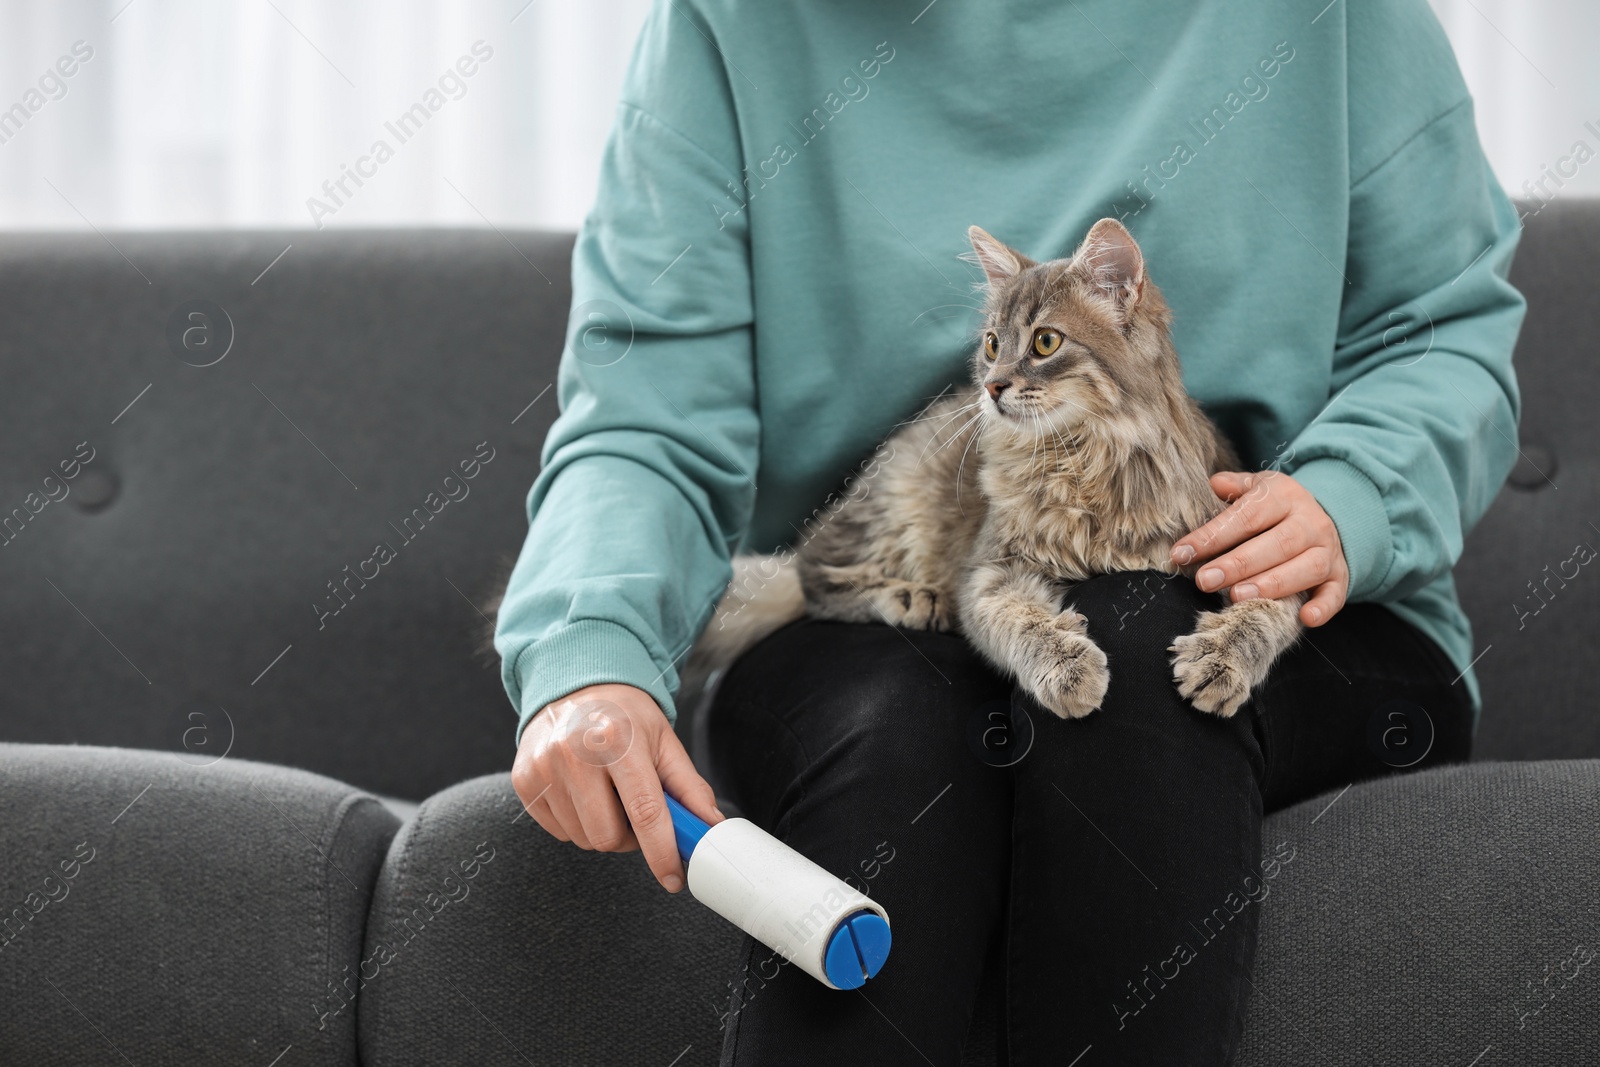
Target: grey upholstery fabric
167 909
1418 919
188 553
541 953
1537 648
1432 917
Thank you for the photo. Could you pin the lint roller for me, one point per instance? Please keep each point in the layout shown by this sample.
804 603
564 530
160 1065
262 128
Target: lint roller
836 934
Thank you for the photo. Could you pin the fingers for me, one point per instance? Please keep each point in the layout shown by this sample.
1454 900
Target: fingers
548 805
641 795
684 782
540 813
532 787
1324 604
582 807
641 788
1230 484
590 770
605 824
566 816
1273 540
1309 570
1256 507
578 739
1256 557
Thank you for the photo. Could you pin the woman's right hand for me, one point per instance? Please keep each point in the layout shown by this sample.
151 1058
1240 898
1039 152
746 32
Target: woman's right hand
590 770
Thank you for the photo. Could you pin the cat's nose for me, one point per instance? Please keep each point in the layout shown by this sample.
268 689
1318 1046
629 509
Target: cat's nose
996 388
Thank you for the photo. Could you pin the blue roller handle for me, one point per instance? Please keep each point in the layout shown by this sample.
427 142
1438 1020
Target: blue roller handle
688 827
858 946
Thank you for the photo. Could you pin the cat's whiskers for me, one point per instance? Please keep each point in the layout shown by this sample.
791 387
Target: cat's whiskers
1074 405
1042 447
1054 455
938 307
1071 462
953 438
924 417
933 438
1033 453
923 414
983 428
951 416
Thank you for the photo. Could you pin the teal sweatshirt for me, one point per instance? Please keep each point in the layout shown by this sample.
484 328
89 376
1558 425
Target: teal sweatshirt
769 280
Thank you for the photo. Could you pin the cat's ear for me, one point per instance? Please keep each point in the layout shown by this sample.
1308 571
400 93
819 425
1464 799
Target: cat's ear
1000 262
1111 258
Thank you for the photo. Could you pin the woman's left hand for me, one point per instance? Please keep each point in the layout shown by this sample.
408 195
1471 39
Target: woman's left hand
1273 540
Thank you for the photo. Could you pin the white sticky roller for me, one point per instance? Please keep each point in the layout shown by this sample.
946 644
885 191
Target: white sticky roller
833 932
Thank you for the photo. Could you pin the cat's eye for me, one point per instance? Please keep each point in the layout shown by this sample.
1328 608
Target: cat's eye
991 346
1047 342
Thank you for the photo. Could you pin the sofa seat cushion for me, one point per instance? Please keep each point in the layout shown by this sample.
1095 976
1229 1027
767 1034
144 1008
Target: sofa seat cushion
1433 918
1416 919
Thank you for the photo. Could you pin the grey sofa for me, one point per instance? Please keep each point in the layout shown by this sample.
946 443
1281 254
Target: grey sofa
206 686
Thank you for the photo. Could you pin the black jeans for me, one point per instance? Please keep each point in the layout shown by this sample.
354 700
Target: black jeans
1119 856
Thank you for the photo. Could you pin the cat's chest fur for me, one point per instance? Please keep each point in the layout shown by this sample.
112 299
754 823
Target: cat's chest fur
1078 506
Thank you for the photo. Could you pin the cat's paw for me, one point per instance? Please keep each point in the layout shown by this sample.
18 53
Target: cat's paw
913 607
1210 669
1071 676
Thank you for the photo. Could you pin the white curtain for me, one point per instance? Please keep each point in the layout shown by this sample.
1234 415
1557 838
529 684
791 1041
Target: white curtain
201 113
1535 81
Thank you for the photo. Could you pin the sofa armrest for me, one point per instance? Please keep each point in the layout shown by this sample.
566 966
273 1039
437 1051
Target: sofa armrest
155 909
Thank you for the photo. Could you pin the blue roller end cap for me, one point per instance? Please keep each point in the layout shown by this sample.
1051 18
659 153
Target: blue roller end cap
857 950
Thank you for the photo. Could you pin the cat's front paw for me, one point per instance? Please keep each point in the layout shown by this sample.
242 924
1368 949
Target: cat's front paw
1070 676
1210 669
913 607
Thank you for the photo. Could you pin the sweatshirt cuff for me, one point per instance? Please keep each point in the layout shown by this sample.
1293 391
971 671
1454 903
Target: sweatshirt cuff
1354 504
582 653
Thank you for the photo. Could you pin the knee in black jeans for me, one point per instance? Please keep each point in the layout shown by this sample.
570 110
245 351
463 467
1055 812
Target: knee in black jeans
1134 617
1129 824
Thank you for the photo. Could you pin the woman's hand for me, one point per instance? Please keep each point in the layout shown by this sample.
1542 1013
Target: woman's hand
1273 540
590 770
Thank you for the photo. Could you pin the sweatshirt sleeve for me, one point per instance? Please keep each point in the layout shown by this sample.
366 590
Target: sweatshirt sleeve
1420 429
646 483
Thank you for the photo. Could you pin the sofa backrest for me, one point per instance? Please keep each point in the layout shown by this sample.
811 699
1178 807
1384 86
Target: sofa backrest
211 572
178 594
1534 606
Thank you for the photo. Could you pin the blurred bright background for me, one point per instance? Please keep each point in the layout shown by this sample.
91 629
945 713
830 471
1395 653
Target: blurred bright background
204 113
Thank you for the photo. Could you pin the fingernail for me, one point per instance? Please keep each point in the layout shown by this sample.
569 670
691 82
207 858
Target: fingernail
1315 613
672 882
1182 555
1210 578
1246 592
718 813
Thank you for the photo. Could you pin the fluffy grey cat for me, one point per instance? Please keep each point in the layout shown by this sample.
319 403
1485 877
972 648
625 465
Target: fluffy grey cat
1075 452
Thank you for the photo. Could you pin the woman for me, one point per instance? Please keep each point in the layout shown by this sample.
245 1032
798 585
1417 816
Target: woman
769 282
